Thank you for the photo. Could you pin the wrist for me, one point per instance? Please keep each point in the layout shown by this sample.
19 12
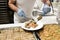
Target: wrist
17 9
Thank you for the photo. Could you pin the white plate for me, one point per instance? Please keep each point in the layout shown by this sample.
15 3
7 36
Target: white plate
40 25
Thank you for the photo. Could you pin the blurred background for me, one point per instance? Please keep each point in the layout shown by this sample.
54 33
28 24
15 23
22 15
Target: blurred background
6 14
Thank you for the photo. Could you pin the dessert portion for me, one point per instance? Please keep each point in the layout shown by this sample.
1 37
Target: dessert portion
30 24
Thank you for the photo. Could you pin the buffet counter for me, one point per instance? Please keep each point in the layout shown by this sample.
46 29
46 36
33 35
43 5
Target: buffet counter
50 31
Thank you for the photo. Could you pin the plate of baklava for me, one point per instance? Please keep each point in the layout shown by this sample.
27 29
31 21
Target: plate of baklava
32 25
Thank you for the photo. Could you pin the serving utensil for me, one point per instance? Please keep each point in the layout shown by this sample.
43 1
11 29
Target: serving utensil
36 35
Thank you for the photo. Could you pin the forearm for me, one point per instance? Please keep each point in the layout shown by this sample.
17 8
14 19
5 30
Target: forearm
48 2
13 7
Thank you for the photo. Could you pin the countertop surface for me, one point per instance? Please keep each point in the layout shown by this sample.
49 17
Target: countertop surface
44 20
48 32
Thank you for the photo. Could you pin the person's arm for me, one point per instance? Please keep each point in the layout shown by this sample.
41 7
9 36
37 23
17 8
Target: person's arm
48 2
20 12
12 6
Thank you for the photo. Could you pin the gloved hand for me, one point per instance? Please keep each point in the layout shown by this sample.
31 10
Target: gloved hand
21 13
46 9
